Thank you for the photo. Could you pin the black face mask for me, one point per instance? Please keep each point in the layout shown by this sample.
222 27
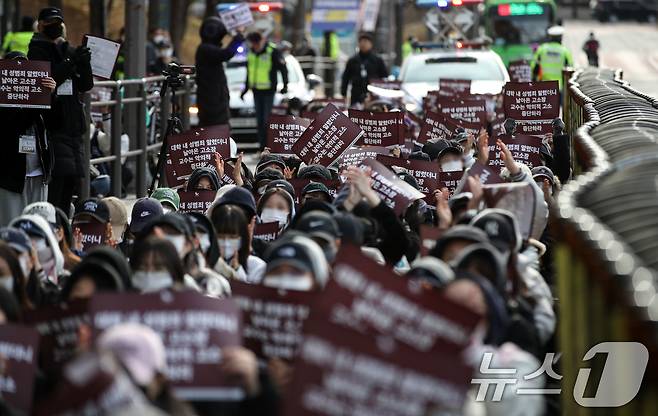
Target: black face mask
53 31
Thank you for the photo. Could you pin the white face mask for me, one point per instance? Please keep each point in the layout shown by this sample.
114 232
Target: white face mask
229 246
452 166
39 244
152 281
204 242
158 39
274 215
288 281
23 260
7 282
178 241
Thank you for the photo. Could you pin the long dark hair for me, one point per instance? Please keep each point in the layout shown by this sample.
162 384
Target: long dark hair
8 255
163 253
229 219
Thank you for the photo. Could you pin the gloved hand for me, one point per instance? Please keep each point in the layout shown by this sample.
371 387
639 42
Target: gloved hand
284 90
82 55
242 94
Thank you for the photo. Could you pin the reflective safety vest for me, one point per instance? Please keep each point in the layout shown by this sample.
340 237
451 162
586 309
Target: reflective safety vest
259 68
17 42
551 57
407 49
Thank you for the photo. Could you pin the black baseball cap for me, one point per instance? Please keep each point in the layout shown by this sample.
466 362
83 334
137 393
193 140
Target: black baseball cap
144 210
459 232
543 172
289 253
500 226
178 222
314 172
316 187
319 224
240 197
16 239
282 184
30 228
94 207
268 160
51 13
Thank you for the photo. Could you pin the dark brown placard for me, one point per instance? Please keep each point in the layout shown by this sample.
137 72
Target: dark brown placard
379 128
534 127
20 83
58 326
532 100
195 201
425 173
454 87
342 372
354 156
395 192
434 127
487 175
194 149
520 71
298 184
449 180
268 231
524 149
472 111
194 329
518 198
19 347
273 318
386 84
94 233
327 137
283 132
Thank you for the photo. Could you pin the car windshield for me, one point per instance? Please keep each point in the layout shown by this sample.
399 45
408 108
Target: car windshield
519 23
431 69
236 73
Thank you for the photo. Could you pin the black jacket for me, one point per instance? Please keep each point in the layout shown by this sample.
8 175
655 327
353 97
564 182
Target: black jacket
66 121
212 90
278 65
16 122
374 67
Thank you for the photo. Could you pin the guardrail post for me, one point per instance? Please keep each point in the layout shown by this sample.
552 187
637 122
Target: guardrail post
86 149
117 130
140 185
165 111
185 103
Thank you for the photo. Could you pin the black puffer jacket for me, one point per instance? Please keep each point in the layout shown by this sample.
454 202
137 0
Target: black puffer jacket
65 122
212 90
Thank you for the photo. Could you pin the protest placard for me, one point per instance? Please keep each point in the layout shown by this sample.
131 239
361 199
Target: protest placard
520 71
194 329
58 326
386 84
534 127
195 201
332 185
266 231
425 173
473 111
339 103
449 180
273 318
454 87
524 149
434 127
354 156
20 84
342 372
283 132
395 192
379 128
104 54
94 233
327 137
194 149
237 16
532 100
19 346
486 174
518 198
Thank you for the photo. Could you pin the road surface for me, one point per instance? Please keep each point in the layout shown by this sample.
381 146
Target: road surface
631 46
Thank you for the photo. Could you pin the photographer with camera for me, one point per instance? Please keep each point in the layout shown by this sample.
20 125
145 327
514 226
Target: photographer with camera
212 92
65 122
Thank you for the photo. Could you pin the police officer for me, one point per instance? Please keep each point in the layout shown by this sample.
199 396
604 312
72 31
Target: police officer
551 57
409 47
264 61
19 41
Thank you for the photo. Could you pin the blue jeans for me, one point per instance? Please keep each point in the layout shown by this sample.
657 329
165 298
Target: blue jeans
263 101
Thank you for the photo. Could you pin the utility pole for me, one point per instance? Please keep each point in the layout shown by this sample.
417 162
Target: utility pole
97 17
299 32
399 33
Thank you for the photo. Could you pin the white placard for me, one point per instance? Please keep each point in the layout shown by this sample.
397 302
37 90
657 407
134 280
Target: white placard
104 54
239 15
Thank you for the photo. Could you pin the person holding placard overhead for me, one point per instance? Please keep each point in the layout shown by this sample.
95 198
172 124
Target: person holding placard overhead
212 92
65 123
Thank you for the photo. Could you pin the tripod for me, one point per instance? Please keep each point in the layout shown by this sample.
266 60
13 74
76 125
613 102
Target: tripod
174 126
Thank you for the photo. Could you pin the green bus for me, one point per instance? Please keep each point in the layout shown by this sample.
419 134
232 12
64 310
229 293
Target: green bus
518 26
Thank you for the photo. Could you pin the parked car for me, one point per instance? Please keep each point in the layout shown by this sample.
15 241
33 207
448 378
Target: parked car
615 10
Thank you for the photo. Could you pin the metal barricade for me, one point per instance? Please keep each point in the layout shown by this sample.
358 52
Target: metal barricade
606 280
137 96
